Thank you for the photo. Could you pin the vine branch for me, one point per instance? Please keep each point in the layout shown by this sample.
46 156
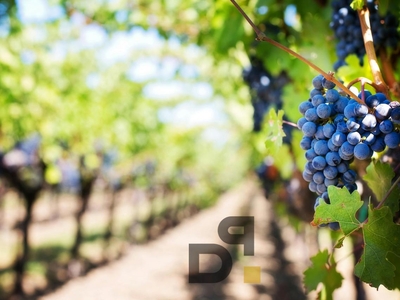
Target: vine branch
363 15
262 37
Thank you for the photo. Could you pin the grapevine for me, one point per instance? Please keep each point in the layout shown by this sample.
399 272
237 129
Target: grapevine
340 128
348 31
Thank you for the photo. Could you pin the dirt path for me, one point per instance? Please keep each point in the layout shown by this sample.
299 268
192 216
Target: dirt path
158 270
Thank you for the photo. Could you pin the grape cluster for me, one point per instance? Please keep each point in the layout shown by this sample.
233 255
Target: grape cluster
336 130
265 89
346 26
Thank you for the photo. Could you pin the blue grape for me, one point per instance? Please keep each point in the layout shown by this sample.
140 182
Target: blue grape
342 127
310 154
343 156
382 111
317 82
309 129
305 143
317 100
307 177
321 188
392 140
313 142
328 84
309 167
354 138
315 92
321 147
362 151
340 104
395 115
347 149
318 177
379 145
325 197
343 167
316 204
339 118
338 138
332 158
311 114
319 162
366 95
330 172
386 126
312 186
349 176
334 226
368 138
351 187
324 111
352 124
333 181
350 110
372 101
369 122
360 110
304 106
320 133
381 97
329 129
301 122
332 95
332 147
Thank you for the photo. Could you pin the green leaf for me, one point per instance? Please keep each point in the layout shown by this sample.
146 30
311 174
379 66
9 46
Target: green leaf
395 260
274 131
383 7
323 270
343 209
381 237
379 177
230 29
357 4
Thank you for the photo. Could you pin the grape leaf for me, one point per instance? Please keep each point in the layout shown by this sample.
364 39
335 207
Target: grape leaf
383 7
343 209
357 4
381 237
323 270
274 131
395 260
379 177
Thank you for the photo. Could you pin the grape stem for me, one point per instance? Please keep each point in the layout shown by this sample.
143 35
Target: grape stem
262 37
363 81
289 123
363 15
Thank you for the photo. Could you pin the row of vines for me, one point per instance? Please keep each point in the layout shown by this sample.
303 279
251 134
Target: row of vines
79 135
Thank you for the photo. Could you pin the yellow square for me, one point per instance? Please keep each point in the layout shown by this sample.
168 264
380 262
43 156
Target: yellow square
252 274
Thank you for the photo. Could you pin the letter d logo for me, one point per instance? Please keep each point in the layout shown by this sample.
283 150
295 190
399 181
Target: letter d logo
194 269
